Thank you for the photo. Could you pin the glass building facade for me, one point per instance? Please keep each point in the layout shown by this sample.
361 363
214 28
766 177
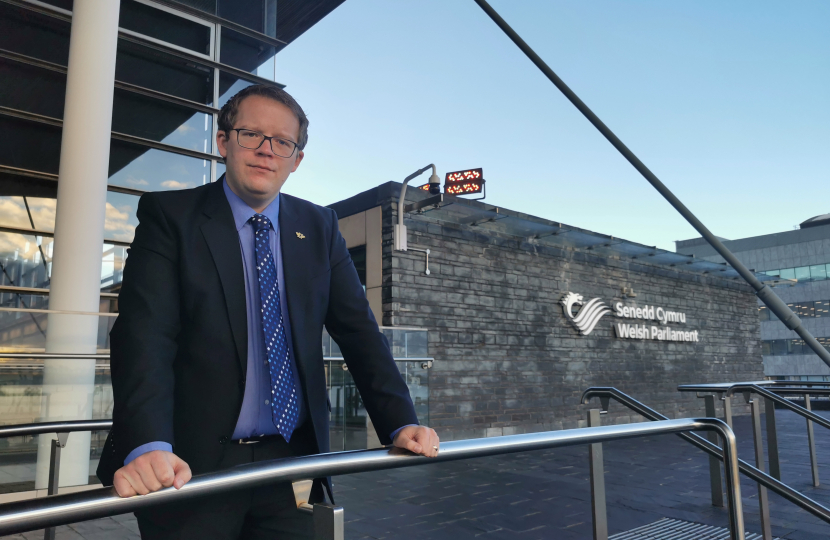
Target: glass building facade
177 63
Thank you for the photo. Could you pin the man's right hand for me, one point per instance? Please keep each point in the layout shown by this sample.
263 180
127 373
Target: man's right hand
150 472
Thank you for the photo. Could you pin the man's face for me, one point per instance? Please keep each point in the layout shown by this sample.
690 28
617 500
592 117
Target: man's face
257 176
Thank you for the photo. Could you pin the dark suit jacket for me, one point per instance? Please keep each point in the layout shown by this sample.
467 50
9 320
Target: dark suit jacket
179 344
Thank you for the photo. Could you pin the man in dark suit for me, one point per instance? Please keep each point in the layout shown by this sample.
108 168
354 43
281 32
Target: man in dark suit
216 353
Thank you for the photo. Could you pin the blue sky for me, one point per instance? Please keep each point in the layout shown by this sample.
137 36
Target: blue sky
727 102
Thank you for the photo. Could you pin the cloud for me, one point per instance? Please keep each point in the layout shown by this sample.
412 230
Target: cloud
173 184
136 181
116 223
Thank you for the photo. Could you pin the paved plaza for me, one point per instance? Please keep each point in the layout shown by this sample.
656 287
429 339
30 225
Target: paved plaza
546 494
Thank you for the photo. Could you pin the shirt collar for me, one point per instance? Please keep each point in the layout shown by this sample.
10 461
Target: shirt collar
242 213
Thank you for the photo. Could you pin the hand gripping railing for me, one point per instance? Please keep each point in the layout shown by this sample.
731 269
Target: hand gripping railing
34 514
62 430
605 394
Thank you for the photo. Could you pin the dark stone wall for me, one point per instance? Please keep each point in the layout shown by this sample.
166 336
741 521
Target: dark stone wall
507 359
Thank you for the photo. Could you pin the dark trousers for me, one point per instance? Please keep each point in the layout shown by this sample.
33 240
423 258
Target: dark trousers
267 512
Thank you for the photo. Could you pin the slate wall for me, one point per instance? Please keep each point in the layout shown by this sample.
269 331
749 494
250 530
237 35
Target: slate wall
507 359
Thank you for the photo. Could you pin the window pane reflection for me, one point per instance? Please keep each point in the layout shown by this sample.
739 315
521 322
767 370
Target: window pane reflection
802 273
165 73
229 86
148 169
248 54
164 26
818 272
112 267
120 220
259 15
31 89
13 212
25 260
161 121
40 36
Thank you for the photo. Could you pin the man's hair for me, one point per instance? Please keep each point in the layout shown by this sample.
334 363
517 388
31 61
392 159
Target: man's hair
227 116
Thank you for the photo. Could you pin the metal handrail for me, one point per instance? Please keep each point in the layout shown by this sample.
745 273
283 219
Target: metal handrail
606 393
56 356
21 516
39 428
755 389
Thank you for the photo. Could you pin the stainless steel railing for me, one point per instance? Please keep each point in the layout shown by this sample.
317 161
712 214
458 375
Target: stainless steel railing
56 510
605 394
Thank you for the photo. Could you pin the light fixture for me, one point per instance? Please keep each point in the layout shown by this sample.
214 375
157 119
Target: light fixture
400 228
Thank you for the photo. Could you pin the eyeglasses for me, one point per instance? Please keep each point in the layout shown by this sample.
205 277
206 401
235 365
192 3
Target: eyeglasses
252 140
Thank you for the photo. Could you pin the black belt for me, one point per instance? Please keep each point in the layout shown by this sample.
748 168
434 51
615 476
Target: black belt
254 440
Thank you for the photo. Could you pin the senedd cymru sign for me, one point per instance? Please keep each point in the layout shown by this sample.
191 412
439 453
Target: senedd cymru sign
590 313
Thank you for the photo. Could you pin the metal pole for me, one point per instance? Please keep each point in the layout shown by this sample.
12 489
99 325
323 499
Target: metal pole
79 228
715 479
595 462
811 440
54 475
766 294
727 410
772 440
54 481
763 497
328 522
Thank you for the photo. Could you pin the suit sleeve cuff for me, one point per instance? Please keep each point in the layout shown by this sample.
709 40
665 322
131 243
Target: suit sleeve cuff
395 433
150 446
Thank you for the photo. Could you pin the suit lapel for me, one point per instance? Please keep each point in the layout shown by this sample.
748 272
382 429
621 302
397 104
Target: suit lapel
223 241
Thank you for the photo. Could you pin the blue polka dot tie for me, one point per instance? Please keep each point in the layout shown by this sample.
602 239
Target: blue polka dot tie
284 410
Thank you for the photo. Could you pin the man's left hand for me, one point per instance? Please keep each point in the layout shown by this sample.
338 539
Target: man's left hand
418 440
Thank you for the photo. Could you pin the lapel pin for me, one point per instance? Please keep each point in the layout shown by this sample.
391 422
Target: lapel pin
300 235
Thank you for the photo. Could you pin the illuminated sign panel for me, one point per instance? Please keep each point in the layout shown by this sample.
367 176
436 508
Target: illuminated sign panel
464 182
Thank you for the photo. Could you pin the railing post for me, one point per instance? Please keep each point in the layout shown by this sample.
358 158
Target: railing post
727 410
55 475
715 478
763 497
811 440
772 440
595 462
328 522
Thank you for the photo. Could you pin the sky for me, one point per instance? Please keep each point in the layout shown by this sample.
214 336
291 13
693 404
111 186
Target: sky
726 102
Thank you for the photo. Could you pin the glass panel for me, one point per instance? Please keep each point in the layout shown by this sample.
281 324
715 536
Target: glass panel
765 348
779 347
25 330
40 36
161 121
164 26
818 272
21 398
248 54
358 255
763 313
775 273
13 212
24 300
802 273
139 167
25 260
416 376
822 308
162 72
112 267
120 221
787 273
229 86
259 15
32 89
34 146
